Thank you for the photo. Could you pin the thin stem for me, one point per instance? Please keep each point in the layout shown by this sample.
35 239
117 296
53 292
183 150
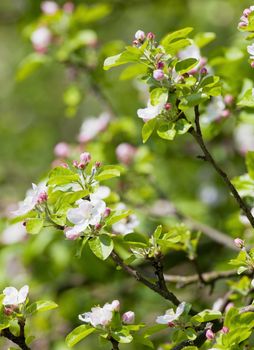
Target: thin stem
197 134
115 344
18 340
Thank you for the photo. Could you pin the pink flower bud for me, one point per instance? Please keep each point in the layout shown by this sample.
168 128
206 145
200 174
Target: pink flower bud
64 165
49 7
160 65
246 12
68 7
242 24
107 212
62 150
203 61
115 305
168 106
171 324
209 334
229 99
8 310
135 42
252 64
225 113
203 71
158 74
140 35
125 153
70 234
85 157
75 163
97 164
239 243
97 226
41 39
42 197
128 317
150 36
81 165
224 330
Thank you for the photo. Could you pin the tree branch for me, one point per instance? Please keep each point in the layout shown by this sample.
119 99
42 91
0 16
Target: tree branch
18 340
197 134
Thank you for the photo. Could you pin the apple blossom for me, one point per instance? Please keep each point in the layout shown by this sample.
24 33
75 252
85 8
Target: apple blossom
239 243
49 7
158 74
70 233
150 36
13 234
62 150
41 39
34 196
151 111
85 157
91 127
209 334
128 317
68 7
140 35
100 316
14 296
87 213
171 315
244 137
214 110
125 225
125 153
228 99
224 330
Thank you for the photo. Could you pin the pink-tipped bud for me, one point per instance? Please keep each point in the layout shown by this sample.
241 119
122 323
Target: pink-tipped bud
252 64
42 197
229 99
239 243
203 61
203 71
81 165
115 305
140 35
171 324
49 7
135 42
70 234
158 74
125 153
128 317
107 212
150 36
8 310
242 25
68 7
97 226
75 163
168 106
225 113
160 65
85 157
64 165
62 150
97 164
209 334
246 12
224 330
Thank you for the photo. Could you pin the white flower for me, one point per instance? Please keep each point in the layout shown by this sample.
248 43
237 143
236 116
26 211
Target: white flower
214 110
191 51
125 225
91 127
13 233
102 192
140 35
49 7
151 111
100 316
250 50
41 38
87 213
33 197
170 315
15 297
244 137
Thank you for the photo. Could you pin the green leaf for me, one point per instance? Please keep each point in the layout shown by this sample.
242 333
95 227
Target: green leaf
117 216
148 129
72 96
78 334
167 131
178 34
202 39
34 225
41 306
30 64
108 172
101 246
182 126
185 65
133 71
175 47
131 54
192 100
158 95
61 176
206 315
247 99
157 232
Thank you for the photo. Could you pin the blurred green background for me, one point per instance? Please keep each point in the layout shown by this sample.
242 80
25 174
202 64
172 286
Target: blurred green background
33 119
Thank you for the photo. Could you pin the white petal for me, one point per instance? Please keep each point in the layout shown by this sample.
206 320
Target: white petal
22 295
11 296
180 309
75 216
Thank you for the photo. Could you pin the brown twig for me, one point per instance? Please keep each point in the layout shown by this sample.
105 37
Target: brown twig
19 340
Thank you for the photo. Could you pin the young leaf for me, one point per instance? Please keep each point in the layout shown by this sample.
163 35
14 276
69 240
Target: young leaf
167 131
34 225
78 334
206 315
185 65
41 306
101 246
148 129
178 34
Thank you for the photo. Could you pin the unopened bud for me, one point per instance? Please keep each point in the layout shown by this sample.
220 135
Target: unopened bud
71 234
150 36
68 7
209 334
242 25
246 12
171 324
225 113
168 106
160 65
140 35
85 157
224 330
229 99
107 212
98 164
203 71
115 305
62 150
97 226
128 317
239 243
75 163
81 165
252 64
158 74
135 42
42 197
8 310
